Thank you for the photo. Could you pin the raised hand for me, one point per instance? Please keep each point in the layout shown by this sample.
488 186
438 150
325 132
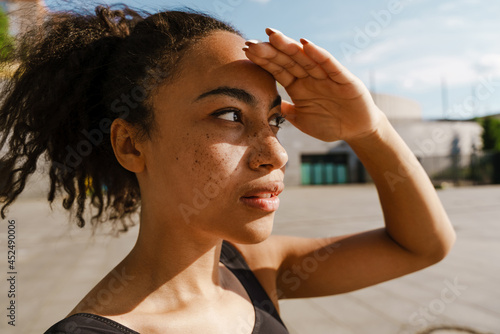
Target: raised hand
329 102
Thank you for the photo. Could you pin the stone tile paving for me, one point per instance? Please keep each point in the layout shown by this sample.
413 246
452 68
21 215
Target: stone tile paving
57 263
417 301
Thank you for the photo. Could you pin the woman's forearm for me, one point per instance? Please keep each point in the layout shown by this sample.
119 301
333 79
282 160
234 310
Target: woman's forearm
414 215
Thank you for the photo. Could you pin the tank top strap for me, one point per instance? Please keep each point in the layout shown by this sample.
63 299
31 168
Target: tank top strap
266 314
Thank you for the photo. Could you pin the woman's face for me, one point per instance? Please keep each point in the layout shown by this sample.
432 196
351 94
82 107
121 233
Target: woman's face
217 142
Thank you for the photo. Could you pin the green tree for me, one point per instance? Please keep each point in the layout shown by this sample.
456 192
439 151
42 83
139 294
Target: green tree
6 40
491 133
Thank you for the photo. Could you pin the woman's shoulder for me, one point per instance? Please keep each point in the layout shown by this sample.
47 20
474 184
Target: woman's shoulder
87 323
272 252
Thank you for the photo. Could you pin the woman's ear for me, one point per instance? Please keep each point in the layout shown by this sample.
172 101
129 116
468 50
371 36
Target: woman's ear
128 151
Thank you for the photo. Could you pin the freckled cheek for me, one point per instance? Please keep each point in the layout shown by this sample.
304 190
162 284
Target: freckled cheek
197 157
217 165
212 158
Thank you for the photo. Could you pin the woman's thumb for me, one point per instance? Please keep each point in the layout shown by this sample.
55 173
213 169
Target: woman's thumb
288 110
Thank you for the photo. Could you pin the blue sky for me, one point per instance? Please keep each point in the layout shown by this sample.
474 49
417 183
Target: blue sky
410 48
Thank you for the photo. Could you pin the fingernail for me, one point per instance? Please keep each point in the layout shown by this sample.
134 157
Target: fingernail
253 42
270 31
305 41
245 48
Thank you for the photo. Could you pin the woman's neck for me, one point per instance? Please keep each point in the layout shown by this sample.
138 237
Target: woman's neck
170 260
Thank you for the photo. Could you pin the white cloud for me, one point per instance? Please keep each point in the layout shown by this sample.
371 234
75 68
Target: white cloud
452 5
454 22
421 73
415 53
456 41
448 6
378 51
424 72
488 64
427 72
261 1
335 36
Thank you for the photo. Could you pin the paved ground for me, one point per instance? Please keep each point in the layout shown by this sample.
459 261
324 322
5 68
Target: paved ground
57 264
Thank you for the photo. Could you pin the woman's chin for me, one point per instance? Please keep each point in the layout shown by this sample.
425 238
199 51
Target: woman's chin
253 232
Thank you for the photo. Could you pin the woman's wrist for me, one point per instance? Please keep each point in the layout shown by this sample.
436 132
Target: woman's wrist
384 153
379 134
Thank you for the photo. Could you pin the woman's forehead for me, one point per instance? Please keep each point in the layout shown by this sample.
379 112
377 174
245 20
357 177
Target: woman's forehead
213 62
219 45
218 60
212 54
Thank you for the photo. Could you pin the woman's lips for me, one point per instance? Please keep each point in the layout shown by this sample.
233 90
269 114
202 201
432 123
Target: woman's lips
263 196
262 203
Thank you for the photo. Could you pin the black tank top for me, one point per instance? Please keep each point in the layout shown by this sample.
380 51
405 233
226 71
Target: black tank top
267 319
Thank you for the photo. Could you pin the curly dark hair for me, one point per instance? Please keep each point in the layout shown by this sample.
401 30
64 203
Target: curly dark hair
78 72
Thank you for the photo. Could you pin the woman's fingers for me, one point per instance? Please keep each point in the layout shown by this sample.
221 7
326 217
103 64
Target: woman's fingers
288 60
281 75
295 51
267 51
318 62
331 66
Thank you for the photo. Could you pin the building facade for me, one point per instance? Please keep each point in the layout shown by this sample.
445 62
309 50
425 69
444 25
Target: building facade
314 162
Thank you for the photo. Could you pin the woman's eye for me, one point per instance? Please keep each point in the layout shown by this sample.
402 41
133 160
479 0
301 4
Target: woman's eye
278 120
234 115
229 115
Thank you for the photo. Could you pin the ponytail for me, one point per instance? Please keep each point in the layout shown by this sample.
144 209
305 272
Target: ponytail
53 98
77 74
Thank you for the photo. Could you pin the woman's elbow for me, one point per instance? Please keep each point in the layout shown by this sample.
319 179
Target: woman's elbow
443 245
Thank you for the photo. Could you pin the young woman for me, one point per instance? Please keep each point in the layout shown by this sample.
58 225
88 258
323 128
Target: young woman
176 114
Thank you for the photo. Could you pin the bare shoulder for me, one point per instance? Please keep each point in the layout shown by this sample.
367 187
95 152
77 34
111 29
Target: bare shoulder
266 254
275 250
268 258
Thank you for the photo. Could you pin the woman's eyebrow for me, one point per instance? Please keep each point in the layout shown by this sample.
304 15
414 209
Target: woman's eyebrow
239 94
276 102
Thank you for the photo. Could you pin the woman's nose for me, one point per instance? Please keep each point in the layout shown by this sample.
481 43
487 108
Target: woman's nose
267 152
